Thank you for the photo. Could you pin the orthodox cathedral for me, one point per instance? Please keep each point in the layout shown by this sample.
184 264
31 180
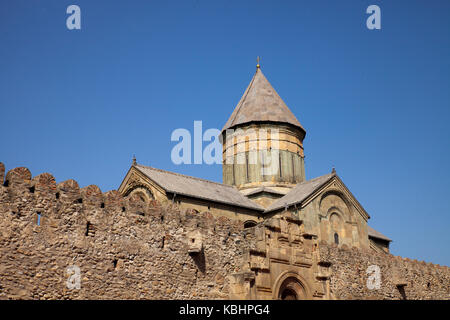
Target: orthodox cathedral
264 177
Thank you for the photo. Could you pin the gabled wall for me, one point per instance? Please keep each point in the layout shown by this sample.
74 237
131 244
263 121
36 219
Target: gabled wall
332 210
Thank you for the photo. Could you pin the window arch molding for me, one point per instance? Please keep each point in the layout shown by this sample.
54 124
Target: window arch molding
346 213
249 224
142 191
334 214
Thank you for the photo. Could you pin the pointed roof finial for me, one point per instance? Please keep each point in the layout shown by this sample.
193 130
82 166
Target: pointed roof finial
134 160
257 63
258 106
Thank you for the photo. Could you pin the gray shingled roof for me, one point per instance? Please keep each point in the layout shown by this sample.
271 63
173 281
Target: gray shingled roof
197 188
300 192
260 103
375 234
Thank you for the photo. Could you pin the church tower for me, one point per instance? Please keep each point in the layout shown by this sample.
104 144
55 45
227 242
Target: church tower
262 141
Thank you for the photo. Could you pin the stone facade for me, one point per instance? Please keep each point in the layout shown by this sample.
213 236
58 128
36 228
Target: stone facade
332 215
126 248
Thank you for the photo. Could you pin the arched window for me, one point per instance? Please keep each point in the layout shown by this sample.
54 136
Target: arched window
336 238
291 289
288 294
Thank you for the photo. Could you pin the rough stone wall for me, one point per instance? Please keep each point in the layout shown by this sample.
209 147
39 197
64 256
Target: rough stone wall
129 249
400 278
125 249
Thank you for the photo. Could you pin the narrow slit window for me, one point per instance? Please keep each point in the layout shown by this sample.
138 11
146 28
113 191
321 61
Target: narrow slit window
88 227
234 175
279 161
293 167
336 238
262 165
246 163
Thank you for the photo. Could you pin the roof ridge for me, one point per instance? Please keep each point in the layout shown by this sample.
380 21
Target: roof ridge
185 176
279 203
372 232
316 178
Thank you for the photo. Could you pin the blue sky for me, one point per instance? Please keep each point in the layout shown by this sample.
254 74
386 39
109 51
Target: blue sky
375 103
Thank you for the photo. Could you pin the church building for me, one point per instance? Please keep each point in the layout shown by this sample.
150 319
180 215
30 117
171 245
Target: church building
264 177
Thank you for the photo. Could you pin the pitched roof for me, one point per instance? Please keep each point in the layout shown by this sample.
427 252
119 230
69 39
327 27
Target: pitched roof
261 102
197 188
263 189
375 234
300 192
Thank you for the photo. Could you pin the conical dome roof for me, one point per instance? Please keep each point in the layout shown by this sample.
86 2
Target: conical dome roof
261 103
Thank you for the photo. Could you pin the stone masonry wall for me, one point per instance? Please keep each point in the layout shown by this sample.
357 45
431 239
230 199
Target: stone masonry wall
124 248
127 249
400 278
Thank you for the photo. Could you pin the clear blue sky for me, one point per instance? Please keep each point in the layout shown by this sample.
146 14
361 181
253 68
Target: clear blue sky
375 104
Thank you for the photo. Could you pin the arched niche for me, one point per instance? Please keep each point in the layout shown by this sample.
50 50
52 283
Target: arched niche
337 218
334 202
